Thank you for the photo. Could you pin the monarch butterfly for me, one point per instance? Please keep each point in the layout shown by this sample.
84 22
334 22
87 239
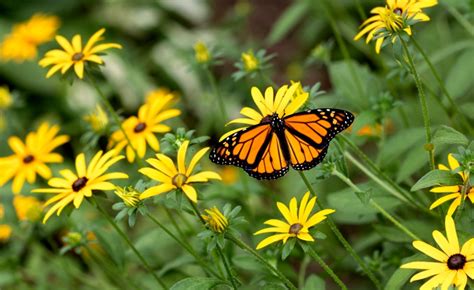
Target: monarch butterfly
266 150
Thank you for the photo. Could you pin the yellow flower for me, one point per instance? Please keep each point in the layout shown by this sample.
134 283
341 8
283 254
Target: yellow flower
297 224
216 221
141 129
250 61
97 119
201 52
5 232
129 196
159 93
453 263
286 101
6 99
165 171
392 18
27 208
74 187
32 156
2 211
22 43
74 54
455 191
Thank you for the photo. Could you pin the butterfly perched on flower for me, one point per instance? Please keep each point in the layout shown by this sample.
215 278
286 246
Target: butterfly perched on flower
278 137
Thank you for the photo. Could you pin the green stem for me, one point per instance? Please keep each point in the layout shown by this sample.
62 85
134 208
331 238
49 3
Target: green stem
270 267
173 222
464 193
310 251
114 114
424 106
460 18
217 94
186 246
341 238
227 267
196 211
372 202
130 244
443 88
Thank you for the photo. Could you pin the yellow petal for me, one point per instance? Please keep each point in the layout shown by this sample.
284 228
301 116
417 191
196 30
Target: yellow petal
182 157
64 43
195 160
451 234
270 240
190 192
155 190
285 212
203 176
77 43
259 101
79 69
81 165
430 251
94 38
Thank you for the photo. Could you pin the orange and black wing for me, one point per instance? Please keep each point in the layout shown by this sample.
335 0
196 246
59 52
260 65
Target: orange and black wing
308 134
257 149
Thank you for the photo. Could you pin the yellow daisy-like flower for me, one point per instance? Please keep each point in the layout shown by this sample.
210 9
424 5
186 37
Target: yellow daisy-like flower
286 101
129 196
5 232
141 129
201 53
216 221
74 54
73 187
32 156
22 43
6 99
98 119
392 18
27 208
455 191
172 177
250 61
453 263
297 224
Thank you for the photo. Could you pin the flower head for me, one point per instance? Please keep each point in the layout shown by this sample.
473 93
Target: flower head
22 43
216 221
297 224
388 21
98 119
286 101
249 60
73 187
74 54
27 208
201 53
453 263
5 232
129 196
171 177
6 99
455 192
31 157
160 93
141 129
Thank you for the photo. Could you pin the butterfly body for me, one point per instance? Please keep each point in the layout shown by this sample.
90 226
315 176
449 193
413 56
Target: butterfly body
266 150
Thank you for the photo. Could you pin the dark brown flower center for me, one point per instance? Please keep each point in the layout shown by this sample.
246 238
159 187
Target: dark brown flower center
295 228
28 159
179 180
79 183
139 127
77 56
456 262
398 11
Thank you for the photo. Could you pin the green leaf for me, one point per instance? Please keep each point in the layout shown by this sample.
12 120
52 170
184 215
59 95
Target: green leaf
398 144
448 135
197 283
314 282
287 21
414 160
392 234
437 177
459 79
288 248
400 277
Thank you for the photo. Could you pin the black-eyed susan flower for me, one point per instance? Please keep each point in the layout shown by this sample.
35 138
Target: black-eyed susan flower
286 101
6 99
396 16
201 52
297 222
97 119
176 177
454 192
453 264
249 60
22 43
27 208
30 158
73 54
129 196
74 187
215 220
141 129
